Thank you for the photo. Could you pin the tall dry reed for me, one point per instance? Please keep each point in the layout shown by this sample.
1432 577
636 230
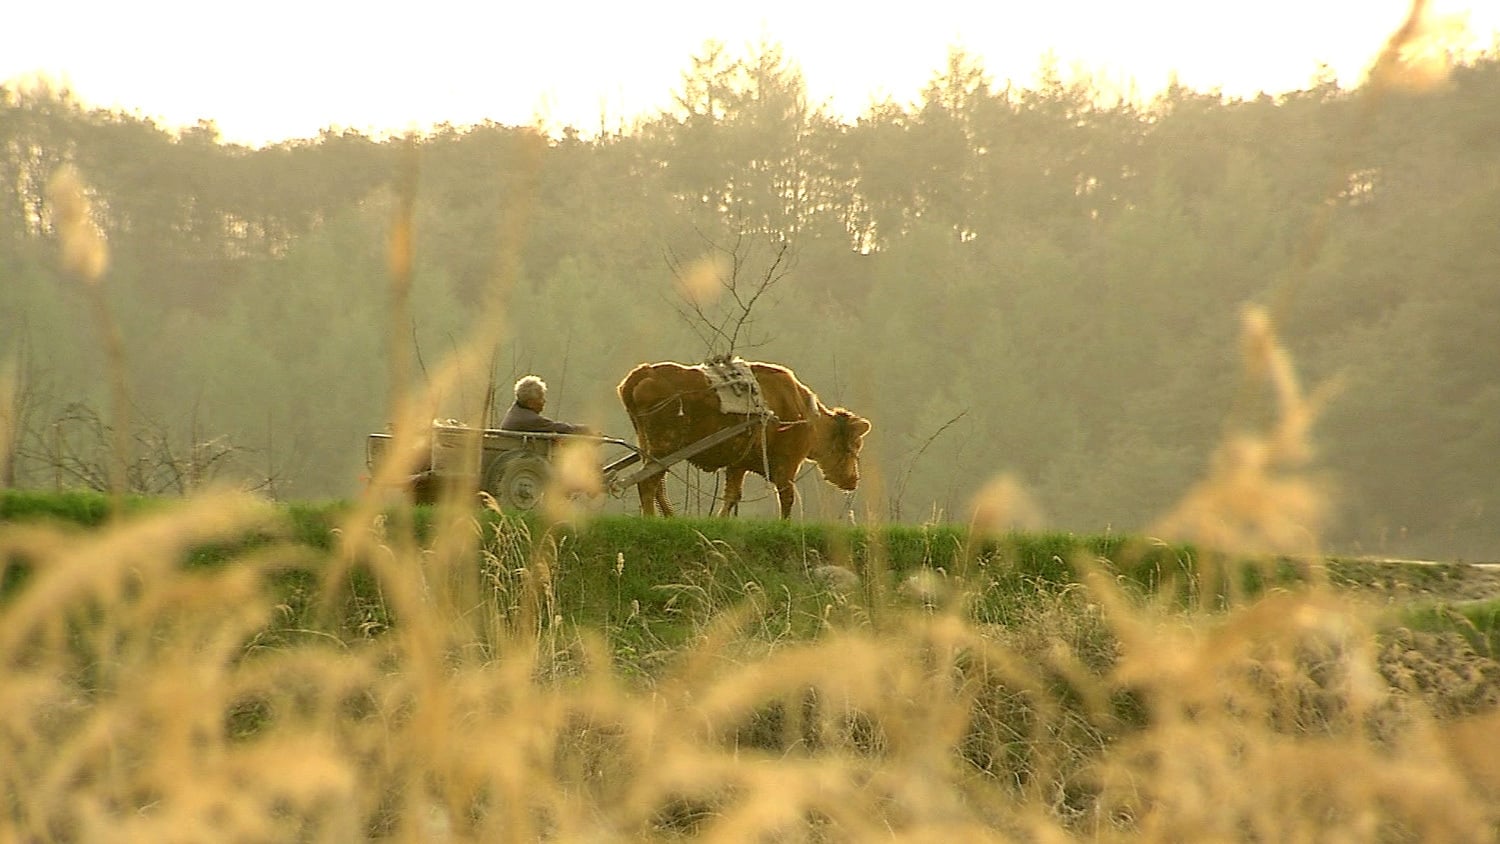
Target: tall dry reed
147 698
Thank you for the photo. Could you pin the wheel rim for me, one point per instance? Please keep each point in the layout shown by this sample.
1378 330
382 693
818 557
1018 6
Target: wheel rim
522 483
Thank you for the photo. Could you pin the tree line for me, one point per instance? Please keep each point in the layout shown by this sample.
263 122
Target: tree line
1042 282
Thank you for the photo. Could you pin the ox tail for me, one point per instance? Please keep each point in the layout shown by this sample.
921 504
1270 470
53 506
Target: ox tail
661 500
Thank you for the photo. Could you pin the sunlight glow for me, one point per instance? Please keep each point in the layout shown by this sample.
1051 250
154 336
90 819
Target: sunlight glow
286 69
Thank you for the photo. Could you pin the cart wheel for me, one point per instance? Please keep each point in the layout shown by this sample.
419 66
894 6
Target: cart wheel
518 483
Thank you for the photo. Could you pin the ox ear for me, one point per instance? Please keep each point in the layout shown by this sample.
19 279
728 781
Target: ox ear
858 427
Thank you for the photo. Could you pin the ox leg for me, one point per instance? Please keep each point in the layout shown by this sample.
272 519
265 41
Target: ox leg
734 490
661 497
786 493
649 490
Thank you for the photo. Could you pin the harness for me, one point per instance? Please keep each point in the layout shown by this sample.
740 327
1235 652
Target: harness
739 391
740 394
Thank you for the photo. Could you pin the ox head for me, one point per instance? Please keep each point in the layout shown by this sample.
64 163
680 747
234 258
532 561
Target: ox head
839 437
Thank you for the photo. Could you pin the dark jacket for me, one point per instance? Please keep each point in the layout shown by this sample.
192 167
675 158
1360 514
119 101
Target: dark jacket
520 418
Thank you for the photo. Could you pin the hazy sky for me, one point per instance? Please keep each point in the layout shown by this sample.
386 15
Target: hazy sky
276 69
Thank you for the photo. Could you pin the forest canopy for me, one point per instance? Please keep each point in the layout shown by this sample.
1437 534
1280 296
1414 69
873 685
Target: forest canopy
1039 283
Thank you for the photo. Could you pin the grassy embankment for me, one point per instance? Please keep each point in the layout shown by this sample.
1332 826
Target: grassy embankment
614 572
218 663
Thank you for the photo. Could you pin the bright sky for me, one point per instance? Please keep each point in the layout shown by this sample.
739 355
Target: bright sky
277 69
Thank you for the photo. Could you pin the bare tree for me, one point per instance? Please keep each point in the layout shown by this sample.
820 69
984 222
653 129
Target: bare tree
719 292
20 396
75 448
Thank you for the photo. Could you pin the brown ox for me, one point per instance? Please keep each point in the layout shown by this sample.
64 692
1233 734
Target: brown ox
672 406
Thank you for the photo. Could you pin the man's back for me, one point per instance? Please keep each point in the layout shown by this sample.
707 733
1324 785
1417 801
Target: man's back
520 418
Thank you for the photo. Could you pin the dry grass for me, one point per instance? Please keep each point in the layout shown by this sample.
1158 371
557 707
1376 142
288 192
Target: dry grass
139 705
143 699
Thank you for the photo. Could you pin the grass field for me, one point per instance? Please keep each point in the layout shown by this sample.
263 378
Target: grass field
223 669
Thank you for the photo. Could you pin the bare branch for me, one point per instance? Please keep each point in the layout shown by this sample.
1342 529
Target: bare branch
76 448
723 322
911 464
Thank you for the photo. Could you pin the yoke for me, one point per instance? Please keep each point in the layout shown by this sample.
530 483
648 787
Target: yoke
658 466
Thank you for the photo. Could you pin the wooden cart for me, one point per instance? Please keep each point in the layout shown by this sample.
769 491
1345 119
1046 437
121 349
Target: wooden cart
515 466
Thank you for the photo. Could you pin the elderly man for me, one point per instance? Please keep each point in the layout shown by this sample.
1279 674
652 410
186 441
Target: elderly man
526 413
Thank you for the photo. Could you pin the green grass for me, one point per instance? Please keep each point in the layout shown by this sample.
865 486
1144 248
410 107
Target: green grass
1478 621
653 583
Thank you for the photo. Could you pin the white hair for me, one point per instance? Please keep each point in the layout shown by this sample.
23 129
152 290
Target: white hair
529 389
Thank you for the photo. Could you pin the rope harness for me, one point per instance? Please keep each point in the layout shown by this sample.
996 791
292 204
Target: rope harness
740 393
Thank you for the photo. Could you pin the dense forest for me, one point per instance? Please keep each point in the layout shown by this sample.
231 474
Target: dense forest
1041 282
